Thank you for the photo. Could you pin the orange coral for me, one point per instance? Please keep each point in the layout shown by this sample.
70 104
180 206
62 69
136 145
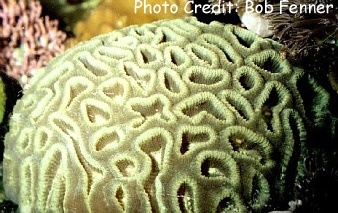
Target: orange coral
115 14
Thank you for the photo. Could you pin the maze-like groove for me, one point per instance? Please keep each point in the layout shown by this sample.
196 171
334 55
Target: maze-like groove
172 116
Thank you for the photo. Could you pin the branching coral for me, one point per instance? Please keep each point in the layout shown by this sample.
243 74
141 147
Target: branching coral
170 116
27 41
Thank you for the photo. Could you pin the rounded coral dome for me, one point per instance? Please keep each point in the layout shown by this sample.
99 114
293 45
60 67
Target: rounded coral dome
171 116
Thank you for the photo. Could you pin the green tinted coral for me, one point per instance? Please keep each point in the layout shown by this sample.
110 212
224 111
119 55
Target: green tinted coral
171 116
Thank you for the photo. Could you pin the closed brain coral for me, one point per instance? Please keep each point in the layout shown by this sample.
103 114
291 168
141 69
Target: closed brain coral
171 116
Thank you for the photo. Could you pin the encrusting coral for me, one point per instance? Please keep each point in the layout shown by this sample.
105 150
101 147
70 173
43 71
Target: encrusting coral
170 116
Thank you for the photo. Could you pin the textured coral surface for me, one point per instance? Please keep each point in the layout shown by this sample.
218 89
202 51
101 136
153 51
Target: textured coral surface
172 116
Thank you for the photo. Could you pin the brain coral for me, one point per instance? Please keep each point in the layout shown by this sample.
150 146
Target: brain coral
171 116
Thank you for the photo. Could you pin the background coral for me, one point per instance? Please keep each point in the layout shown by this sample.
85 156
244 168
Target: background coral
27 41
110 15
169 116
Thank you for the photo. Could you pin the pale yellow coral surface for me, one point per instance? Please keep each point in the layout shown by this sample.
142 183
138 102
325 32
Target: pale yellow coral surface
115 14
170 116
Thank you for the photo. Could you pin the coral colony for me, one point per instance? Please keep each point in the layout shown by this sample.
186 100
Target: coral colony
27 40
113 117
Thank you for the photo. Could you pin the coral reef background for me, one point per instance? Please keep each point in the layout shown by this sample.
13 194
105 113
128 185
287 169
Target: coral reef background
27 40
111 15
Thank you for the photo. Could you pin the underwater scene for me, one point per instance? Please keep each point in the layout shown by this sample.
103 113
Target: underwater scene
187 106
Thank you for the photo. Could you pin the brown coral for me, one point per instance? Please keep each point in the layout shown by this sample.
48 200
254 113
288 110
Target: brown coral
28 41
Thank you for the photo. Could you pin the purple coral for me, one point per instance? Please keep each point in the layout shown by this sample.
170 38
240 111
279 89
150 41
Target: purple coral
27 40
